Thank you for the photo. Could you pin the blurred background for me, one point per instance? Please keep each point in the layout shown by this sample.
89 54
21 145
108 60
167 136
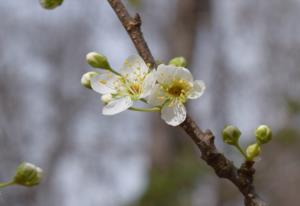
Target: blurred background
247 52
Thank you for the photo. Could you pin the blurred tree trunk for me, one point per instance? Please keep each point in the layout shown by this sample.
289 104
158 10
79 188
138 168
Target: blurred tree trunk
168 146
181 40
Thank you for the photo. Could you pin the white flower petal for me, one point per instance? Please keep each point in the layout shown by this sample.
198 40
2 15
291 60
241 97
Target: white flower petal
148 84
184 74
173 113
165 73
168 73
117 105
104 83
134 66
157 96
197 90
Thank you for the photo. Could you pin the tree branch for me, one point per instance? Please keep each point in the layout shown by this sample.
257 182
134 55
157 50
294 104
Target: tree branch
133 27
241 177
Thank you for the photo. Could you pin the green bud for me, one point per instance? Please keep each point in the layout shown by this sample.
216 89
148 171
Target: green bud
253 151
50 4
106 98
178 62
28 175
86 79
263 134
97 60
231 135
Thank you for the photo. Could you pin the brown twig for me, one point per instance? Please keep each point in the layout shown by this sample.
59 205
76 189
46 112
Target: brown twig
241 177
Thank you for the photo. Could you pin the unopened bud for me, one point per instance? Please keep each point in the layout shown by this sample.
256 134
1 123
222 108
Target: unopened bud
231 135
178 62
50 4
86 79
253 151
97 60
28 175
106 98
263 134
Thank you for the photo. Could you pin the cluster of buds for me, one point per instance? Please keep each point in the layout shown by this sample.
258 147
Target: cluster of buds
231 136
27 175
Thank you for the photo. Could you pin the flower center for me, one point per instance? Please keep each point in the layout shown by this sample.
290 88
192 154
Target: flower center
175 90
135 88
179 88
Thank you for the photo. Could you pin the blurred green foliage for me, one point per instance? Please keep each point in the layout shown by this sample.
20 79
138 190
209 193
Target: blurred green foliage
289 133
293 106
174 185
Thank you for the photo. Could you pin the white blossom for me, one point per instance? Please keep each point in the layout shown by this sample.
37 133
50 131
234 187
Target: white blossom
134 83
175 85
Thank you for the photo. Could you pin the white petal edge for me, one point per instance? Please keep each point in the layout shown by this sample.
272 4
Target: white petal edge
157 96
133 66
173 113
103 83
184 74
117 105
197 90
148 84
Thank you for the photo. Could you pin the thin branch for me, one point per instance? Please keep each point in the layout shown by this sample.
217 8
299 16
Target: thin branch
133 27
241 177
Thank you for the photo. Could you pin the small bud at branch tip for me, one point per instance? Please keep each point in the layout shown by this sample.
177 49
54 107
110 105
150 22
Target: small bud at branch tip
231 135
86 79
97 60
28 175
263 134
178 62
50 4
253 151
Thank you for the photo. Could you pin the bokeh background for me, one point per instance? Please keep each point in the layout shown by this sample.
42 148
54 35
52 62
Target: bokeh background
247 52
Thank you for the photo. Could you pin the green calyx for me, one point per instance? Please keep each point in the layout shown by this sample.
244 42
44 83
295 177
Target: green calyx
50 4
178 62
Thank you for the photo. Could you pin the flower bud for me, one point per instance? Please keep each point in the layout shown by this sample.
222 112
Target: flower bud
178 62
231 135
50 4
86 79
263 134
97 60
106 98
28 175
253 151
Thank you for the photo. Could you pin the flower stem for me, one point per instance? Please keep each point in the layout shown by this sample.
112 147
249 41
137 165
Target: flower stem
144 100
6 184
114 71
241 151
154 109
